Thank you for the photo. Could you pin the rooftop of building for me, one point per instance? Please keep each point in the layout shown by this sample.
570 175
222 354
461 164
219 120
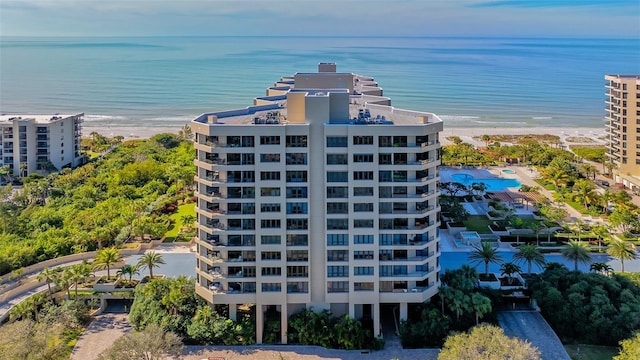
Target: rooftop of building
39 119
624 77
365 108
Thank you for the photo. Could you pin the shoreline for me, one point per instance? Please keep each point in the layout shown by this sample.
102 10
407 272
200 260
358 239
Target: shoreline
466 134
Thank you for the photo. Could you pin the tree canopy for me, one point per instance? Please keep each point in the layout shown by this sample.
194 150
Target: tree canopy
487 342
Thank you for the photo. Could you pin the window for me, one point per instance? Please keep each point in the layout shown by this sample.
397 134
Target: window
297 141
337 286
296 159
270 240
336 141
337 192
271 287
270 207
385 176
271 255
297 224
363 140
363 207
363 286
384 159
270 191
296 176
297 240
337 208
337 159
363 255
270 175
270 223
247 141
385 141
296 192
362 191
271 271
297 271
248 159
363 239
337 176
301 287
362 158
337 271
337 255
337 224
269 140
363 175
399 141
363 270
269 158
362 223
337 239
297 255
297 208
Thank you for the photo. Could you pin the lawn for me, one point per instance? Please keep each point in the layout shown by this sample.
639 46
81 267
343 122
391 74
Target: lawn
591 352
176 220
478 223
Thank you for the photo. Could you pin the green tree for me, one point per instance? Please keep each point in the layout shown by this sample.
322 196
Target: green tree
106 258
624 219
487 342
577 252
481 306
629 348
152 343
78 273
485 254
584 192
49 275
509 269
622 250
130 270
150 260
558 177
531 254
601 267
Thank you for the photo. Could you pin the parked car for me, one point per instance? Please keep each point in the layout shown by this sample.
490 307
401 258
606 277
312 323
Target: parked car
602 183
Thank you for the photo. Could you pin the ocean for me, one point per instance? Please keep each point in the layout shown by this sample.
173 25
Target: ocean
167 81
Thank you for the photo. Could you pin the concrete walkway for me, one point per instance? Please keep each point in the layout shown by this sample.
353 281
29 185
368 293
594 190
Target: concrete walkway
531 326
100 335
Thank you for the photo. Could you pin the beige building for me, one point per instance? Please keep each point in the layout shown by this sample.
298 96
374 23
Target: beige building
29 143
623 128
321 196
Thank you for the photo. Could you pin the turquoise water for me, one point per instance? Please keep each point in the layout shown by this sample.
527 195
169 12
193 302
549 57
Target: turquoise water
508 171
492 184
167 81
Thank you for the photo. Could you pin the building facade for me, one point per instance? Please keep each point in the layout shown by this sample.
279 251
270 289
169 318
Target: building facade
29 143
623 129
321 196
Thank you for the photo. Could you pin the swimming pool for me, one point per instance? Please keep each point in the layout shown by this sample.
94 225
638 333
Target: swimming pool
508 171
491 184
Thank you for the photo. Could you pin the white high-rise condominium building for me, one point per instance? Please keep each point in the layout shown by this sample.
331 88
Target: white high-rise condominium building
34 142
321 196
623 129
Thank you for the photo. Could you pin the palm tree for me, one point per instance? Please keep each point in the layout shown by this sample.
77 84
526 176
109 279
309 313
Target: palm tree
589 170
150 260
129 270
623 250
531 254
48 275
107 257
601 267
78 273
576 251
556 175
602 233
481 305
579 226
584 192
485 254
509 269
63 281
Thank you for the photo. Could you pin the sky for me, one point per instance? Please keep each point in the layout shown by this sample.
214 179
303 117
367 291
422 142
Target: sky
526 18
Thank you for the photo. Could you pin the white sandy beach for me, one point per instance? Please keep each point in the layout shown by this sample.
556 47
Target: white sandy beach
466 134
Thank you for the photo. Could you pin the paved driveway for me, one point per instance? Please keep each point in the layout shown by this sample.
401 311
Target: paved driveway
100 335
531 326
